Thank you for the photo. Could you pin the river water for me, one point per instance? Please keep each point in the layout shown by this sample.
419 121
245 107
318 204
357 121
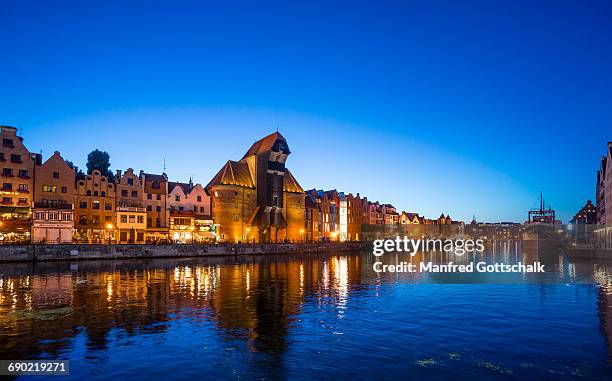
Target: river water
308 317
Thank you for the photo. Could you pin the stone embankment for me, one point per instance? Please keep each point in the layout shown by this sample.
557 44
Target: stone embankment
35 253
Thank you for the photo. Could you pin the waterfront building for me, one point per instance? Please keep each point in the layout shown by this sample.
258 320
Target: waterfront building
328 203
155 191
257 199
375 216
294 208
188 197
94 209
390 214
343 216
53 206
190 216
600 194
409 219
312 219
603 233
182 226
364 212
330 207
17 184
130 211
583 224
586 215
350 217
444 220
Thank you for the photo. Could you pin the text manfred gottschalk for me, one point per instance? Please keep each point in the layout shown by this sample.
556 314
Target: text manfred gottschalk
458 247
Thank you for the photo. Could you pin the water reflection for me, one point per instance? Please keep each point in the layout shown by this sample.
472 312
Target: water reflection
260 314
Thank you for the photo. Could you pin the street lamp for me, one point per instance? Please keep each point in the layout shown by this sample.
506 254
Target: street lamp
247 235
302 234
110 229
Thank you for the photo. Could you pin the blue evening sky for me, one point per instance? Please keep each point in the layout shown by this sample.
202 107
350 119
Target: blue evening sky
456 107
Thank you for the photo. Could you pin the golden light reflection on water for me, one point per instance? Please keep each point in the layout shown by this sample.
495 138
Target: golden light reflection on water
257 300
229 296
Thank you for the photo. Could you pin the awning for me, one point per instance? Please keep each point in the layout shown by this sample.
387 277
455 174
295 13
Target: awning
14 209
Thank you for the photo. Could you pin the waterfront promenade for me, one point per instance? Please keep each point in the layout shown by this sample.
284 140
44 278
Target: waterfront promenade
70 252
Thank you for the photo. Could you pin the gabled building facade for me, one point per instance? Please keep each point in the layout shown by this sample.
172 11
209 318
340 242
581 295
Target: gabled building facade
53 206
130 211
17 172
603 233
155 192
355 217
95 209
190 216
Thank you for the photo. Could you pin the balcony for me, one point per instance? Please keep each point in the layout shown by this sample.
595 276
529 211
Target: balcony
52 205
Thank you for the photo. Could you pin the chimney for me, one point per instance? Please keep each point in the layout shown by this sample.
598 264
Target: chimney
118 174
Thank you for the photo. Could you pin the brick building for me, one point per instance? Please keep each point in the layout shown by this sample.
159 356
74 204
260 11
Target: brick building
54 192
257 198
17 173
155 190
94 209
130 212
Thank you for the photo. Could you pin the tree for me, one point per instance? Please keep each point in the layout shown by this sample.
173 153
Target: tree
99 160
80 175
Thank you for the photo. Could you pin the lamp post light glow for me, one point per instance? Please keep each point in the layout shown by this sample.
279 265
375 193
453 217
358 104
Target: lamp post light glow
334 235
110 230
302 234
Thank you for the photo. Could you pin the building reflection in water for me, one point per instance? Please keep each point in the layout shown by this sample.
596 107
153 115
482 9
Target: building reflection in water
254 301
603 278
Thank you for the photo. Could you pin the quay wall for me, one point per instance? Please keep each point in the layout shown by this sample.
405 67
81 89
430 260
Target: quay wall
39 253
